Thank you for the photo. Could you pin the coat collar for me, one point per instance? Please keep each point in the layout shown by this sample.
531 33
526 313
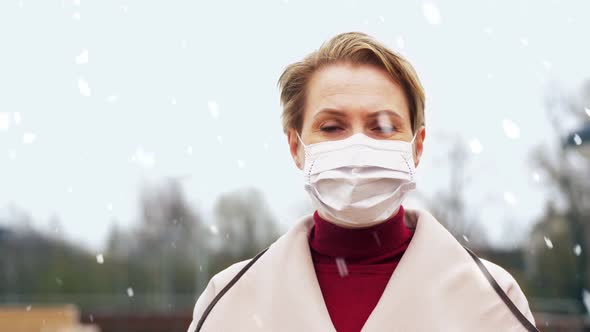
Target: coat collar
436 286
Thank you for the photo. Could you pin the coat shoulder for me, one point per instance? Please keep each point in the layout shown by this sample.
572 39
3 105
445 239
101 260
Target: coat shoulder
215 285
511 288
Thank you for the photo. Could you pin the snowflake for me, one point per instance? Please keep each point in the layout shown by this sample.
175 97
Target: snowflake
431 13
342 269
475 146
17 118
82 58
99 259
214 229
548 242
509 198
213 108
29 137
84 88
401 43
511 129
144 158
5 120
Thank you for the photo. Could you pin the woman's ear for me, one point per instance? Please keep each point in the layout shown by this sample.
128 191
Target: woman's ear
294 148
419 145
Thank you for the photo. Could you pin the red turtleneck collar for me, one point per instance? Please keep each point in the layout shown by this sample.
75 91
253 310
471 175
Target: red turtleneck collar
353 265
367 244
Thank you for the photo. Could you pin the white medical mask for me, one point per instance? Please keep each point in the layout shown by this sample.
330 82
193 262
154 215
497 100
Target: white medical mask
358 181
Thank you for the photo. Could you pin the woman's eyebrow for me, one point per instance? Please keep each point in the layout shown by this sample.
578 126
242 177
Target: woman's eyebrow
330 111
385 112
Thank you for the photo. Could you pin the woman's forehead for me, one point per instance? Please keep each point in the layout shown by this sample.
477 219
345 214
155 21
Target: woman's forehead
360 88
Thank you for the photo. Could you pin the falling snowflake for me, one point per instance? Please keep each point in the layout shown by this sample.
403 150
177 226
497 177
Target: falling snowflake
587 110
431 13
214 229
189 150
509 198
465 238
401 43
524 42
382 19
144 158
84 88
130 292
475 146
29 307
536 176
577 139
5 120
489 31
213 108
76 16
29 137
341 265
577 250
77 2
546 64
219 139
241 163
70 189
110 206
124 9
82 58
17 118
99 259
511 129
586 299
112 98
173 101
548 242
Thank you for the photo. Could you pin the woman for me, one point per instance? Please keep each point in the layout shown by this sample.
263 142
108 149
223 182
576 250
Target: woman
354 119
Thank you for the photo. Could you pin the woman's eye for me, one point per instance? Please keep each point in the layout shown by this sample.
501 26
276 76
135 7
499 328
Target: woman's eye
385 129
330 129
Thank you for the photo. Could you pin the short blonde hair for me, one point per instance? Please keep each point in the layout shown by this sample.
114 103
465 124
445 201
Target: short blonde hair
354 48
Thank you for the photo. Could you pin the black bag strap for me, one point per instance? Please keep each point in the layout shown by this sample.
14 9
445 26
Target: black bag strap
226 288
523 320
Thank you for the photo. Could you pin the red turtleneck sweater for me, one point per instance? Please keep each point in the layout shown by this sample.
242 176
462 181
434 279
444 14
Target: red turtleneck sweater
354 265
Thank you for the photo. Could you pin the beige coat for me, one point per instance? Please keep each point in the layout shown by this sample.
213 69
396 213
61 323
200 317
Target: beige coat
436 287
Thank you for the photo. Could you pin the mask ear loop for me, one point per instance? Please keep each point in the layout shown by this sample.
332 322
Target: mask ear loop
412 143
305 152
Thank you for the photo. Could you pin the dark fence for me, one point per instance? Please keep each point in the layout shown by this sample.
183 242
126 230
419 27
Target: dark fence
139 322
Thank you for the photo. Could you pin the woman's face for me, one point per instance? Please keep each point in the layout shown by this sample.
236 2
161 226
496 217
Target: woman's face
344 99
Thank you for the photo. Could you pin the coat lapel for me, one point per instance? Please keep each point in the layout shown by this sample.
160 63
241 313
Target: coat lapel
437 287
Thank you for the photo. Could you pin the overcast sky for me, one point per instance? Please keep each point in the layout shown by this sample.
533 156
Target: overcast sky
98 97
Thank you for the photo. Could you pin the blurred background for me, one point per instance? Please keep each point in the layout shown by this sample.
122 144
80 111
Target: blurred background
141 148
